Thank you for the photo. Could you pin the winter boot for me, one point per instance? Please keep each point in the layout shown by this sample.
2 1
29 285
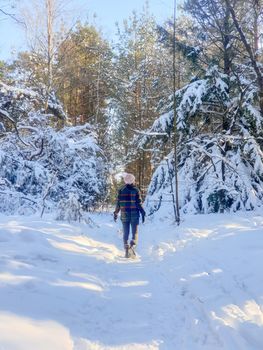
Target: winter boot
133 244
126 247
132 248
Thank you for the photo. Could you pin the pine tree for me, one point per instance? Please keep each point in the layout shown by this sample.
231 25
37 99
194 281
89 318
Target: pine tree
141 81
83 82
219 122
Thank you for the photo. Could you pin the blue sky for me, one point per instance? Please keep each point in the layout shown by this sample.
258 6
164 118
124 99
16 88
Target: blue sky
108 12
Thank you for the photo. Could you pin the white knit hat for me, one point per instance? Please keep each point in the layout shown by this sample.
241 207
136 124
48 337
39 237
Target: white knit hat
129 179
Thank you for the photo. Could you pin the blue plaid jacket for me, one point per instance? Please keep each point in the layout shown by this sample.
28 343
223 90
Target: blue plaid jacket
128 202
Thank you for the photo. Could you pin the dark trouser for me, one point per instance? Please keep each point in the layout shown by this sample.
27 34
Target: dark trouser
126 232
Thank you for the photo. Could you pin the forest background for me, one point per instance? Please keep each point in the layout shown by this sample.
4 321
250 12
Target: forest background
178 103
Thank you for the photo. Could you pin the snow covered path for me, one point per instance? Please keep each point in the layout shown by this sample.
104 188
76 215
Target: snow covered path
67 287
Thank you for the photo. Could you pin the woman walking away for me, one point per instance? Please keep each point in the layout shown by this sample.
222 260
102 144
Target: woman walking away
129 203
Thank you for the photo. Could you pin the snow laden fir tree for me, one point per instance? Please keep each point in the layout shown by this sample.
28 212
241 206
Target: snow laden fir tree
220 159
45 164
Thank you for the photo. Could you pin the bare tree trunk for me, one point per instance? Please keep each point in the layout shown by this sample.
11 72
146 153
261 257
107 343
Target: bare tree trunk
252 56
98 91
227 68
50 47
176 203
226 42
172 191
256 7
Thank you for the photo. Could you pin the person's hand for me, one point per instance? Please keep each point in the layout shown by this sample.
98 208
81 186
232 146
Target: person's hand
143 218
115 216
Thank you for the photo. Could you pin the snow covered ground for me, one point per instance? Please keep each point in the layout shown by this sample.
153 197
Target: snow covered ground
67 286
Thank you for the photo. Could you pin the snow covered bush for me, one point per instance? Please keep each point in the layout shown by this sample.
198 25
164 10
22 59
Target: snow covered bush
69 209
220 159
42 166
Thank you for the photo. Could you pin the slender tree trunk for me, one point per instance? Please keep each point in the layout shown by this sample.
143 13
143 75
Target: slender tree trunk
256 24
226 42
172 192
227 68
252 56
98 91
139 116
176 204
50 41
